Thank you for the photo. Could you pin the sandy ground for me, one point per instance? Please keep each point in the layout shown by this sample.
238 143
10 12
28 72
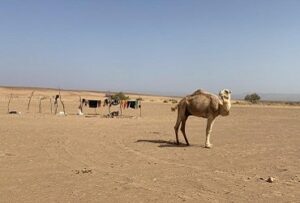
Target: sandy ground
48 158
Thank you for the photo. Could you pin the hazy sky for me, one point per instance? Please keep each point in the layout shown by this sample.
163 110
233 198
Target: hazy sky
161 46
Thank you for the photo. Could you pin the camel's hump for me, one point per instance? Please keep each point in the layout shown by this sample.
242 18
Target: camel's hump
203 92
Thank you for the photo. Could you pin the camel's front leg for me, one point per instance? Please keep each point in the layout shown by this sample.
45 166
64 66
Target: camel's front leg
210 123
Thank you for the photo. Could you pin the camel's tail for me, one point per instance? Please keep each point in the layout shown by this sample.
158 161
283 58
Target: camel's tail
174 108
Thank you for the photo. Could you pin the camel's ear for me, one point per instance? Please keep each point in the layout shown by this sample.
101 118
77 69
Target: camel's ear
227 91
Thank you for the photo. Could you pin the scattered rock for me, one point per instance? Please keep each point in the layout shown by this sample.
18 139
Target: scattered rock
295 178
83 171
86 170
247 178
270 179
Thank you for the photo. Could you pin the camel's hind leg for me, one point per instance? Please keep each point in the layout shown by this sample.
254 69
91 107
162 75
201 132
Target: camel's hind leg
176 127
183 130
180 117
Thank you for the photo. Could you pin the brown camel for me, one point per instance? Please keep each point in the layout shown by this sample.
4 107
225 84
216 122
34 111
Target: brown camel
202 104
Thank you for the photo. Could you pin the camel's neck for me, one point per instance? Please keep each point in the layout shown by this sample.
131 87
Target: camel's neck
227 104
225 107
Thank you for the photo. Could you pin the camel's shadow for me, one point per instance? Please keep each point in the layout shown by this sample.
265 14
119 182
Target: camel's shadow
164 143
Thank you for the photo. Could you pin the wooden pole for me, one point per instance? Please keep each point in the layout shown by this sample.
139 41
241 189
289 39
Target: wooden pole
40 105
28 106
121 105
109 105
140 105
55 106
80 104
51 105
10 98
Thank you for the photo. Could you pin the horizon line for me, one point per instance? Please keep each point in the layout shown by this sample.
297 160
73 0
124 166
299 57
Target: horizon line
150 93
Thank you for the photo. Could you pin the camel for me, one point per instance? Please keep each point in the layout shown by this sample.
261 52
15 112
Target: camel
202 104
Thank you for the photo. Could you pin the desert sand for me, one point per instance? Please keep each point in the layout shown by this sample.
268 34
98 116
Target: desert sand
51 158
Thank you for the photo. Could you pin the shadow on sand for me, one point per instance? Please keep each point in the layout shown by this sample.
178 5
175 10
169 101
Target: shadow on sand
164 143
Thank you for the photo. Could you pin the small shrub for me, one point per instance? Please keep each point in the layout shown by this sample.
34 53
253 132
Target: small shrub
253 98
174 101
120 96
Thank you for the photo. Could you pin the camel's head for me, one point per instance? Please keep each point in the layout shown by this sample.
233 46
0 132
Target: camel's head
225 95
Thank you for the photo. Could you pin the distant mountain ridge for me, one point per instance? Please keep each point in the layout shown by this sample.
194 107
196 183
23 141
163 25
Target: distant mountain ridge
273 97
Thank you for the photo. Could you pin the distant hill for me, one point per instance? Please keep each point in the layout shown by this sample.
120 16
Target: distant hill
264 96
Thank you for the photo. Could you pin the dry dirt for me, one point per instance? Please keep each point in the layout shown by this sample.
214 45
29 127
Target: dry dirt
48 158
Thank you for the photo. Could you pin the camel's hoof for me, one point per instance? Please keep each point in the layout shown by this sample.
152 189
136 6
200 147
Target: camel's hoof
208 146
